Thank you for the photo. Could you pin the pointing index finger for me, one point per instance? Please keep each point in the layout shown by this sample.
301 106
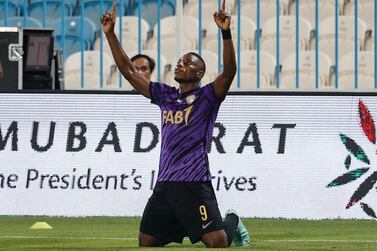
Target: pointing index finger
114 11
223 6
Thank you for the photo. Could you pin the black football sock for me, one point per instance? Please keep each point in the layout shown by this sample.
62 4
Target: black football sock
231 222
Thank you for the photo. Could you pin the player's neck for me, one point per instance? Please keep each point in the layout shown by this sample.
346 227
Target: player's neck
186 87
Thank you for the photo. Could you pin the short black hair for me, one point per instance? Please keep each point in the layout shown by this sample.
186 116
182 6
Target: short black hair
200 58
152 64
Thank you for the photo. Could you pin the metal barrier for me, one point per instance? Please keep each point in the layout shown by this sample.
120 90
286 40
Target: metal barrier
79 8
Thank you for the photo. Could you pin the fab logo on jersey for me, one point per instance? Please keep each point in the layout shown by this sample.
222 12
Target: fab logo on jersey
177 117
369 130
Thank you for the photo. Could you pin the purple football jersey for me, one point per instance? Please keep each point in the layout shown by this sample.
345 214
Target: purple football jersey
187 121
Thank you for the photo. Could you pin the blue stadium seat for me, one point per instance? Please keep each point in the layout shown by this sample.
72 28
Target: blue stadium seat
19 22
53 10
13 10
149 10
20 4
92 9
71 3
72 34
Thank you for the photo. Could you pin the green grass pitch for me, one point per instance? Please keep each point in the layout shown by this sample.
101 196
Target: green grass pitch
120 233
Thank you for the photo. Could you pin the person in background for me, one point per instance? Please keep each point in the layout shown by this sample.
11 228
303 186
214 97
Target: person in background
144 64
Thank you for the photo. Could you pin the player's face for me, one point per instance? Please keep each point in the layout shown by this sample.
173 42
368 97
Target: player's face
142 66
187 69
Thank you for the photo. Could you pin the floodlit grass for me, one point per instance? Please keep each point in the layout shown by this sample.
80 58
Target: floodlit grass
120 233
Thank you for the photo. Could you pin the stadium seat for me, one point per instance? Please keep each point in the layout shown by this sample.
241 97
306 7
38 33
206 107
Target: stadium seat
267 10
307 71
267 62
229 7
71 3
287 35
91 62
94 9
168 26
248 82
211 43
130 27
19 22
365 71
346 39
13 10
19 3
73 34
365 11
149 10
248 64
168 47
248 29
326 9
307 81
347 82
53 10
72 71
128 45
114 82
368 41
208 8
283 5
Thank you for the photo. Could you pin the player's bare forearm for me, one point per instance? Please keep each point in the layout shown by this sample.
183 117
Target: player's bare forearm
126 67
229 60
223 82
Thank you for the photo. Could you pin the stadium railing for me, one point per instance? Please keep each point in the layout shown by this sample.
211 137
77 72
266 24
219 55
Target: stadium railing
335 27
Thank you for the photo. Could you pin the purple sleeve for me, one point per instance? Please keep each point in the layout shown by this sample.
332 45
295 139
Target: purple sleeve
157 92
209 92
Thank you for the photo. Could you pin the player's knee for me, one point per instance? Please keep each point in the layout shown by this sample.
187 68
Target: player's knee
219 242
143 242
146 241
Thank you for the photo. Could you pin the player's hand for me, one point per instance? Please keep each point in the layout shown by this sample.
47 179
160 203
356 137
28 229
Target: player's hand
222 18
108 20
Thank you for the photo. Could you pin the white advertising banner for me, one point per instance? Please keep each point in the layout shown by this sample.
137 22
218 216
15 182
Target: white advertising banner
290 156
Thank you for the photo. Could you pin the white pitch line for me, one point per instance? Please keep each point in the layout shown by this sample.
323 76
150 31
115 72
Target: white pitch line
338 241
64 237
131 238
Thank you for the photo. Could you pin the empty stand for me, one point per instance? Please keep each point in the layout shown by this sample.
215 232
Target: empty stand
73 34
149 10
52 11
287 35
91 71
168 26
346 36
168 47
306 71
26 22
365 70
13 10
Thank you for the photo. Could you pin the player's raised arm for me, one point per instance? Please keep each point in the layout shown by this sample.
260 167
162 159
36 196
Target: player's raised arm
225 78
125 66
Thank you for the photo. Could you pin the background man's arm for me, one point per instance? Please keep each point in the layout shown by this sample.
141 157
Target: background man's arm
224 80
125 66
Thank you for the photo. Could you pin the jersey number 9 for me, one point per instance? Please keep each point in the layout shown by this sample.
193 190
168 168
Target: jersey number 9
203 212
